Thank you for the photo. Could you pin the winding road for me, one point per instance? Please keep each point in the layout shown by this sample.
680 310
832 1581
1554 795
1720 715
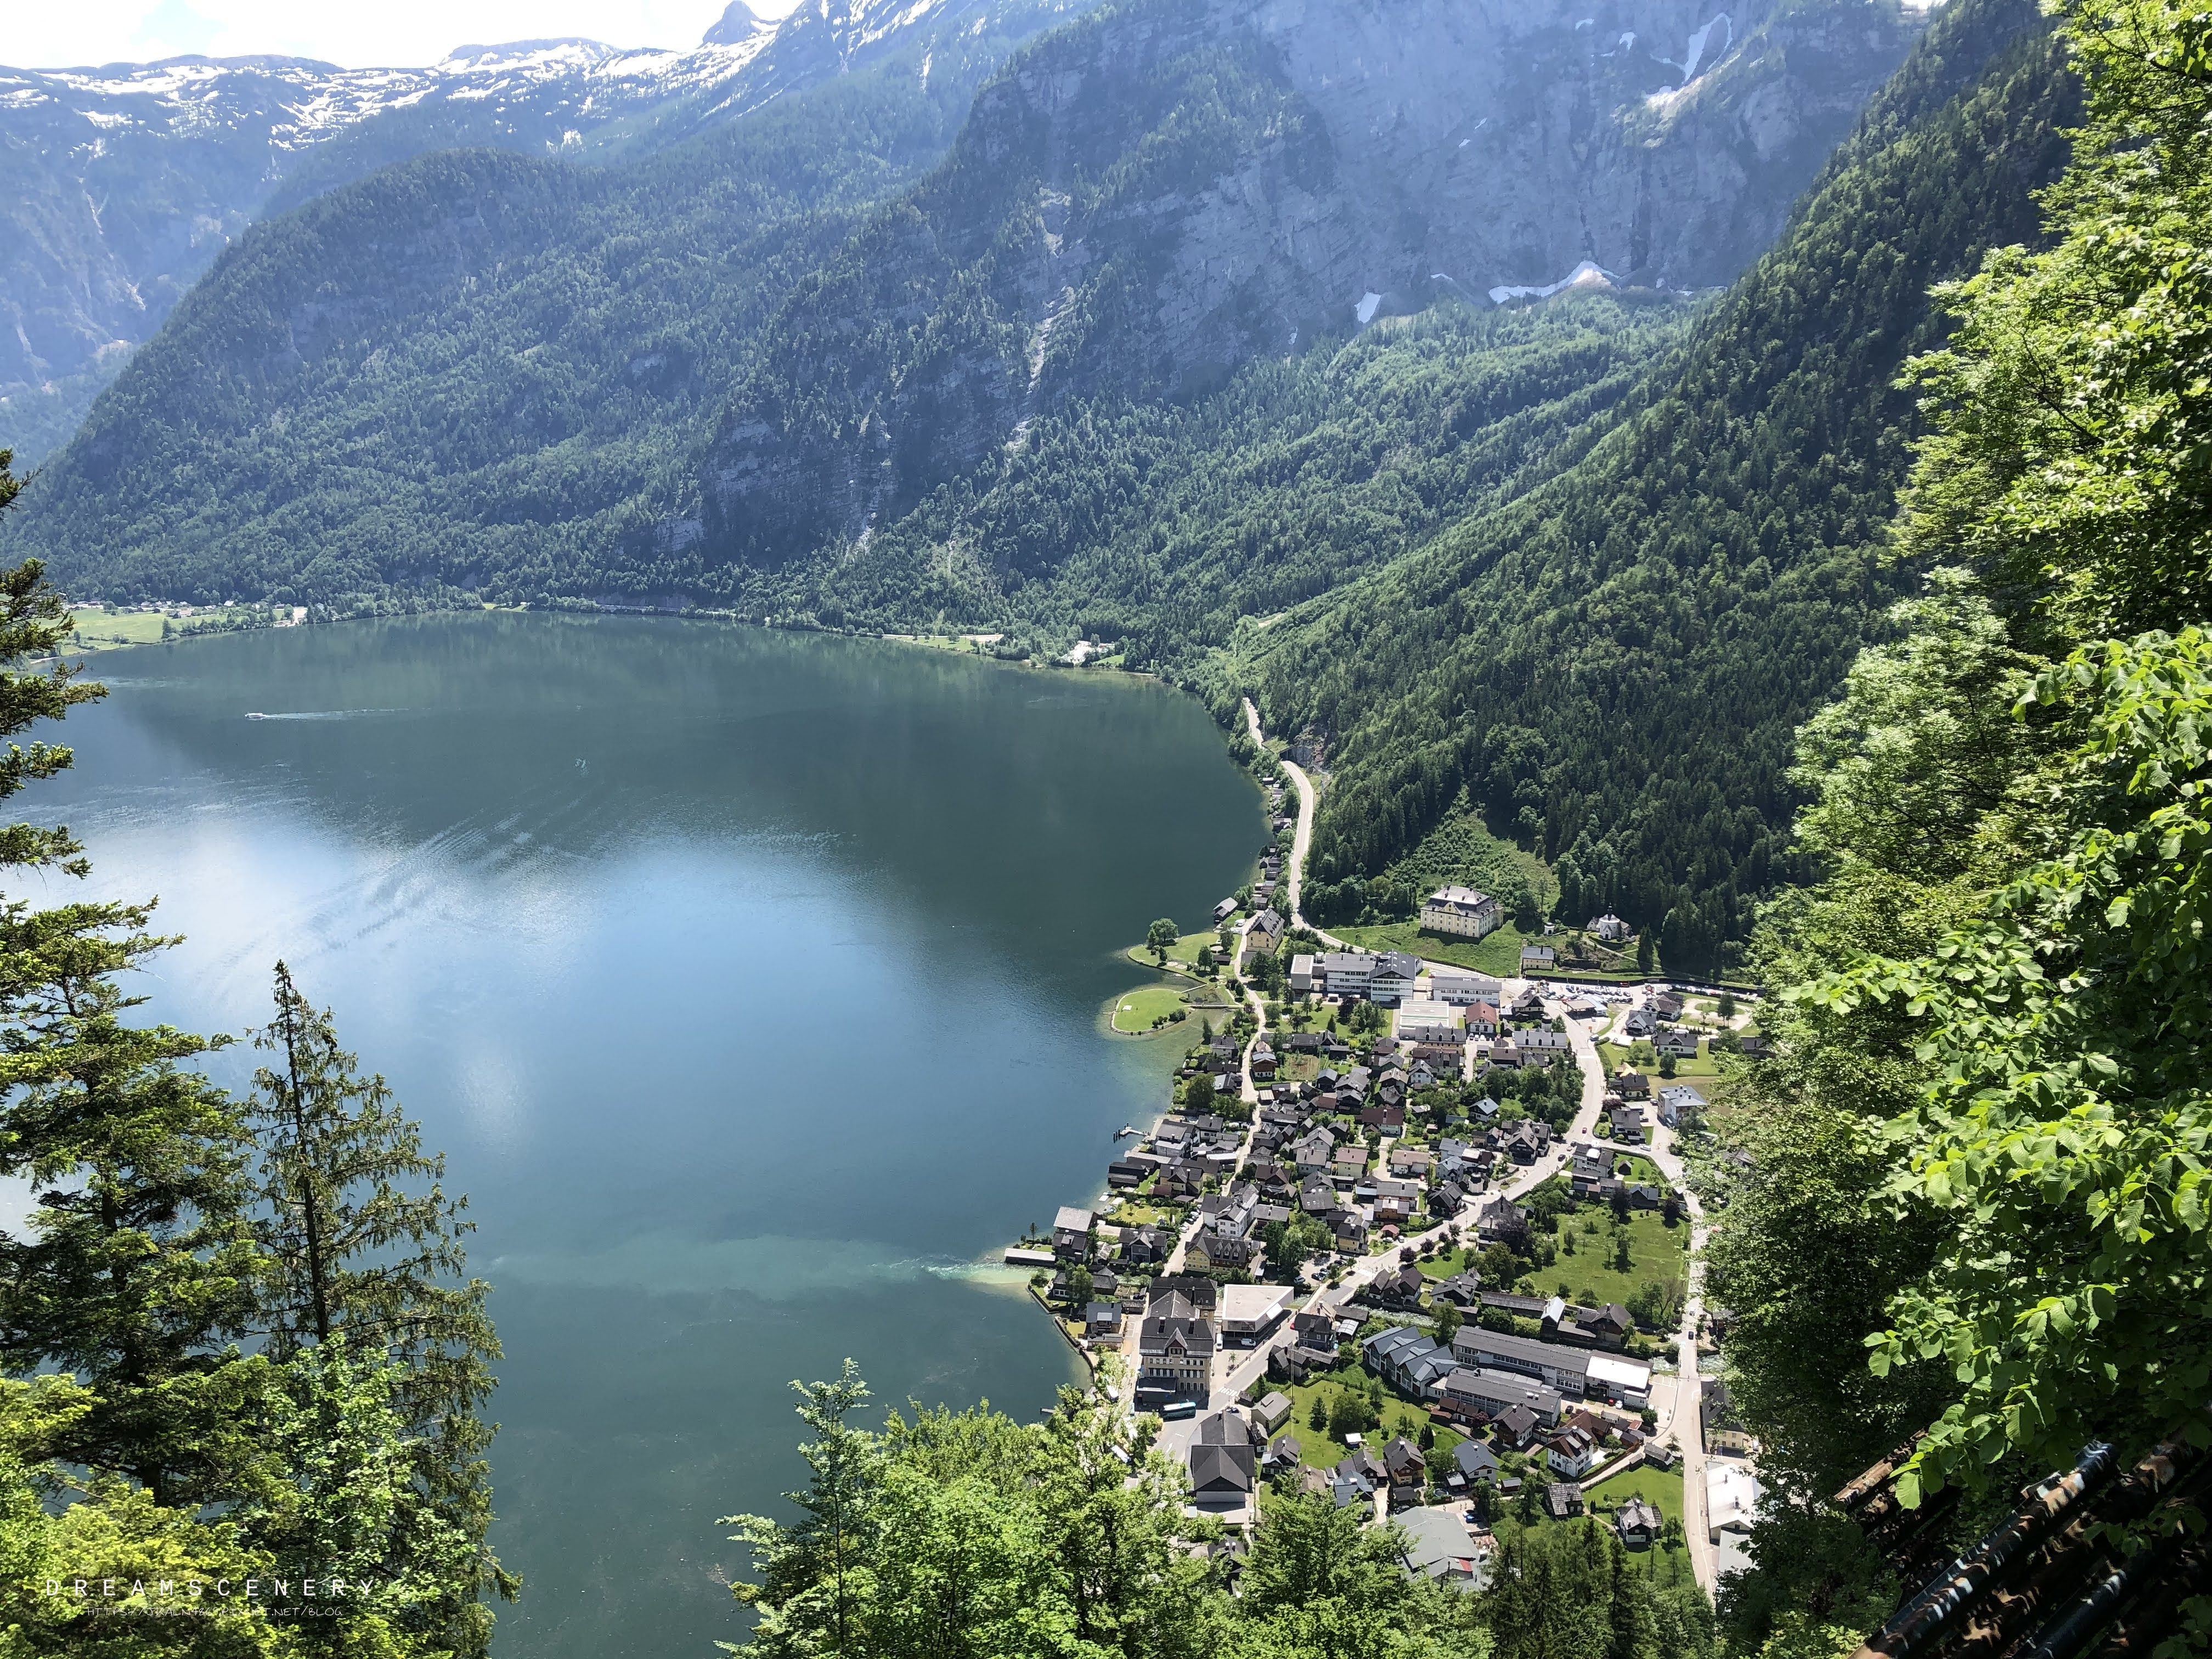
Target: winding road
1680 1416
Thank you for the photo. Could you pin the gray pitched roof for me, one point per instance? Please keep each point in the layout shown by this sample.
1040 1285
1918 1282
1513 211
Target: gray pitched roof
1215 1468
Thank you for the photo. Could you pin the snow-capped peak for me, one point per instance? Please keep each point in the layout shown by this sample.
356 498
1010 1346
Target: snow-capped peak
737 25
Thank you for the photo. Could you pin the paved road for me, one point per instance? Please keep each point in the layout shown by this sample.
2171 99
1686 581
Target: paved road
1301 838
1679 1415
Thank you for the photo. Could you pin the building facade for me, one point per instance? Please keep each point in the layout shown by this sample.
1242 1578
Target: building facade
1460 911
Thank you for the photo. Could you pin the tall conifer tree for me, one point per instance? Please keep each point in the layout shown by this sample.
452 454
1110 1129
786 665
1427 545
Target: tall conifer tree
135 1272
351 1249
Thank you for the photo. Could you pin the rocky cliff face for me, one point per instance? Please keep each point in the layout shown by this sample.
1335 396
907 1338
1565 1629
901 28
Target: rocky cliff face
1151 196
121 184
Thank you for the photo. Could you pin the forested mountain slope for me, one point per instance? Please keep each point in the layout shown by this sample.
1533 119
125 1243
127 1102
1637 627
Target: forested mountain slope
475 358
1142 202
1170 188
1613 665
124 182
1159 525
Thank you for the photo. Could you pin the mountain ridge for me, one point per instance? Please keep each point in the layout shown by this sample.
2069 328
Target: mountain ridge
1163 293
182 155
1133 205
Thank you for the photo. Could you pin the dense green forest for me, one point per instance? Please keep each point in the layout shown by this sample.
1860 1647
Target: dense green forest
1976 1209
1161 525
1612 665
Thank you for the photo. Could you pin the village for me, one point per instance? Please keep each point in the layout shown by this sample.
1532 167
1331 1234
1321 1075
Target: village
1420 1239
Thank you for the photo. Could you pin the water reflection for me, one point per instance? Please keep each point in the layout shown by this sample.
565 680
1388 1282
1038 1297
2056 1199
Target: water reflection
749 980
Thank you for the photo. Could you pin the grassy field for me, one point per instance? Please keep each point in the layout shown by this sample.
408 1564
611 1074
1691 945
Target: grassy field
1500 954
1138 1011
110 630
1317 1449
1655 1251
1615 1055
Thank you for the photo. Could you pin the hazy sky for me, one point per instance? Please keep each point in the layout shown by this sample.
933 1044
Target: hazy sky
394 32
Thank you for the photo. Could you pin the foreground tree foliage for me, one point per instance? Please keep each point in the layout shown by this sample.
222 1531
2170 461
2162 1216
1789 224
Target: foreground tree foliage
965 1534
199 1420
1980 1158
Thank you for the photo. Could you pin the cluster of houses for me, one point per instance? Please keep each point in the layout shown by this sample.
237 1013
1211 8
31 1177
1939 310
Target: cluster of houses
1310 1151
1522 1394
1322 1108
1271 871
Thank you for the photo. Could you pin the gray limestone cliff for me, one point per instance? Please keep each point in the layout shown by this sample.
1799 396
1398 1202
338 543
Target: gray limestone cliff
1155 193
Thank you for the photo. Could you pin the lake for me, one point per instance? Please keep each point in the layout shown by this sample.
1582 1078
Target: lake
749 980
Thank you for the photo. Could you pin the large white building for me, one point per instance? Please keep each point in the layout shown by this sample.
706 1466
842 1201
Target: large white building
1424 1019
1460 989
1347 973
1460 911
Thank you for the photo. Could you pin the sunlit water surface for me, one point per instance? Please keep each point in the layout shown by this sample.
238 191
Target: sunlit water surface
749 980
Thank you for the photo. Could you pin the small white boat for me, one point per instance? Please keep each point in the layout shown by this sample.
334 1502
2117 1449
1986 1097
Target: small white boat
1125 1131
256 714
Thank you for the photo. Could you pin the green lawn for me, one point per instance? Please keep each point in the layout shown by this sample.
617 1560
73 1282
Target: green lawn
1317 1449
1639 1168
1657 1485
1135 1213
1140 1010
1498 954
1662 1487
1184 951
106 630
1615 1055
1444 1263
1655 1251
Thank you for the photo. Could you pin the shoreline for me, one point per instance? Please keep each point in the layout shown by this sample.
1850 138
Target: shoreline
1103 668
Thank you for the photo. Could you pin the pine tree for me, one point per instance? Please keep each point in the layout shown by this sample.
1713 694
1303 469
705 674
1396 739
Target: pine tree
350 1250
135 1271
809 1590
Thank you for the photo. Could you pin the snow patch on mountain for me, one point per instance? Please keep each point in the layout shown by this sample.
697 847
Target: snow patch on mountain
1587 274
1695 51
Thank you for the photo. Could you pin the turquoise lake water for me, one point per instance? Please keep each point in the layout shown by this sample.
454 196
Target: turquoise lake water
749 980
